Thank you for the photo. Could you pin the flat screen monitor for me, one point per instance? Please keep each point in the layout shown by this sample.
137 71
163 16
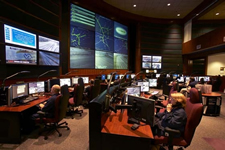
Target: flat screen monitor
206 78
19 90
156 65
132 76
48 44
52 82
152 82
120 76
128 76
196 78
85 79
157 75
49 59
108 76
143 109
103 77
180 79
156 59
187 79
75 80
17 55
65 81
19 37
116 76
144 86
133 90
36 87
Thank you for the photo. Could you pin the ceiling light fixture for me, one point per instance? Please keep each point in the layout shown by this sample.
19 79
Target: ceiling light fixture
178 15
168 4
134 5
217 14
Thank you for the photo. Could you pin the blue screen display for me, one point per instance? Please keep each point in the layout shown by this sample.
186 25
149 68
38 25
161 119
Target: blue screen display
19 37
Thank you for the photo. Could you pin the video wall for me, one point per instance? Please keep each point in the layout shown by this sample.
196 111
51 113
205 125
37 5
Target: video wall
97 42
22 47
151 62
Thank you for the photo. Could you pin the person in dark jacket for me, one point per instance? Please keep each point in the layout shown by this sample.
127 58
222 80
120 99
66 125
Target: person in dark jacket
173 117
49 105
192 82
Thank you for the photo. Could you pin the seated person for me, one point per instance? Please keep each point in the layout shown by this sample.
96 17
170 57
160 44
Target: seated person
192 82
173 117
49 105
201 81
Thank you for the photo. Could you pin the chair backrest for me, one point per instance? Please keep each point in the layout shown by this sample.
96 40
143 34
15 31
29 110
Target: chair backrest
94 90
78 94
194 111
64 101
57 109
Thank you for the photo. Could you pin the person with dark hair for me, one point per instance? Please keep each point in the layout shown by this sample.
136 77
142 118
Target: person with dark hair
87 89
217 84
173 117
192 82
202 81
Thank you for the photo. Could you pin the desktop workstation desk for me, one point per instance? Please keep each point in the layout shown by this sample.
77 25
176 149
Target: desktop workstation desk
109 130
11 121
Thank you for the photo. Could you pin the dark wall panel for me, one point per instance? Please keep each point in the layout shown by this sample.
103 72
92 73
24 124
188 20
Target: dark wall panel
35 16
164 40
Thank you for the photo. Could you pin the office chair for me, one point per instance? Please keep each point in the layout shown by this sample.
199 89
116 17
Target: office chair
77 99
94 90
52 124
194 111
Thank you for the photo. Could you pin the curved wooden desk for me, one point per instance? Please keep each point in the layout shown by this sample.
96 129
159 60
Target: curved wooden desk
117 134
212 103
11 121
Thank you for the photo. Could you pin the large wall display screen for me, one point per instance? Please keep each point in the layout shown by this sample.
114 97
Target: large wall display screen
19 37
17 55
96 41
151 62
48 59
48 44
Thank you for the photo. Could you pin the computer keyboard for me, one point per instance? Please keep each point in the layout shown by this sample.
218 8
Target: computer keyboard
29 99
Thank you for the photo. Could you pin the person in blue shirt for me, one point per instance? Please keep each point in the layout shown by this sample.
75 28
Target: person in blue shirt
48 106
173 117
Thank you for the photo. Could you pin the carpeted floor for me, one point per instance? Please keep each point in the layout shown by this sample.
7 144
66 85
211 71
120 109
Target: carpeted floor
209 135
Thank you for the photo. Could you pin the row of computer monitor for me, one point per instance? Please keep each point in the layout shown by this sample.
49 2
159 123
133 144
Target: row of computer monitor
26 89
181 78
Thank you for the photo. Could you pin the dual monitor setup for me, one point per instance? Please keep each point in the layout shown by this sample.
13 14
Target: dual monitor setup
16 92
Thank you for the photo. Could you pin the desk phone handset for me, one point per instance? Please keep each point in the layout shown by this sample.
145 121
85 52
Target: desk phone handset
135 126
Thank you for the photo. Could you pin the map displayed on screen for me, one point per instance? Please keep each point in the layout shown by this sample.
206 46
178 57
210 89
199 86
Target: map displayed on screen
82 38
106 39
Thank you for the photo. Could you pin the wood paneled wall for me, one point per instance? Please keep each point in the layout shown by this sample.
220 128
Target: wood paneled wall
163 40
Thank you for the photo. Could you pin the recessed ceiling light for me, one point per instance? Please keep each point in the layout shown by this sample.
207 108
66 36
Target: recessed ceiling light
197 14
178 15
134 5
168 4
217 14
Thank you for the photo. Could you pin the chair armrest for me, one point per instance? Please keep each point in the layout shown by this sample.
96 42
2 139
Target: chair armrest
171 134
41 114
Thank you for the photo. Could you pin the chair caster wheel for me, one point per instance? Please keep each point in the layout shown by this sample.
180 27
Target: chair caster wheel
45 138
68 128
60 135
